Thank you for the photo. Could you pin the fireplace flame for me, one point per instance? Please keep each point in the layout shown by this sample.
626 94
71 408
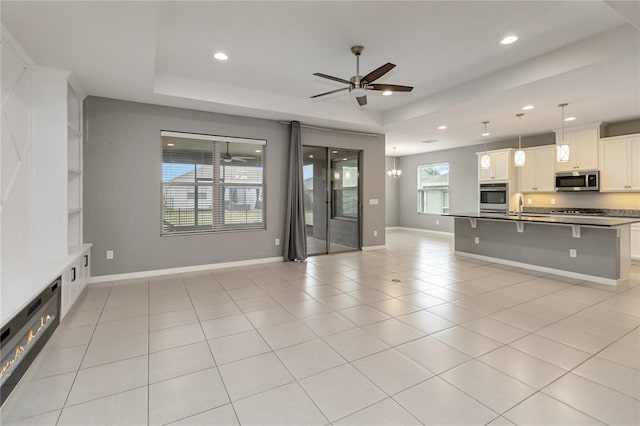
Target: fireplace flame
20 348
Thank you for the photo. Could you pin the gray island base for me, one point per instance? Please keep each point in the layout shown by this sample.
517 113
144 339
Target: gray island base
590 249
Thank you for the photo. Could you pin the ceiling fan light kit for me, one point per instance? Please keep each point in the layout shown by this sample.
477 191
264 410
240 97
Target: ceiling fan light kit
359 85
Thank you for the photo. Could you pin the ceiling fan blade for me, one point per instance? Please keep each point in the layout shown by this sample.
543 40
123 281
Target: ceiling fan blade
378 72
328 93
330 77
242 160
392 87
362 100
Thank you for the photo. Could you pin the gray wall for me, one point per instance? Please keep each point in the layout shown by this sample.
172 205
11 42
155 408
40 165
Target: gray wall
463 181
122 175
598 249
372 175
622 128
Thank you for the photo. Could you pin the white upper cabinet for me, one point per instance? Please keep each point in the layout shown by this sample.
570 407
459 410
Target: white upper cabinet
620 164
537 174
501 166
583 148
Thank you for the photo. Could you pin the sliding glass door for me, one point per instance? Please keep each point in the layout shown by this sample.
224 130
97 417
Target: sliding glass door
331 199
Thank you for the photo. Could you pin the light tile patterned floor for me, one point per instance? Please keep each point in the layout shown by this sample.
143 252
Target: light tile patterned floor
336 341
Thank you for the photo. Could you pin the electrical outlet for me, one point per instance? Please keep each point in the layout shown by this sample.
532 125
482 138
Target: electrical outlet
553 201
529 201
375 233
573 253
109 254
476 240
277 241
437 222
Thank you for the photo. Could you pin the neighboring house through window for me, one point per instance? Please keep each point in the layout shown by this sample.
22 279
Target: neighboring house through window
211 183
433 188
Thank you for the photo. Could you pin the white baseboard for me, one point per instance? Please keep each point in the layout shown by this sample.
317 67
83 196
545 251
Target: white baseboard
569 274
182 270
425 231
369 248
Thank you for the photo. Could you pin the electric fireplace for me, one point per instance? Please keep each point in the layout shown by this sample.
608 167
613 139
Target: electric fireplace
22 338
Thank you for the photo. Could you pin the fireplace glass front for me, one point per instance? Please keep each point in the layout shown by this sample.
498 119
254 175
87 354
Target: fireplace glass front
25 335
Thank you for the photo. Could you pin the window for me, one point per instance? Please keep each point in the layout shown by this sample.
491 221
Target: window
345 188
211 183
433 188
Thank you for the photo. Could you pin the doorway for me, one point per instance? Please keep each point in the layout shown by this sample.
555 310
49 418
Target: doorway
331 199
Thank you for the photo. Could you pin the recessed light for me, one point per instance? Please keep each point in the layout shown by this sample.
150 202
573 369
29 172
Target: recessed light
569 119
257 150
344 159
310 155
443 127
221 56
486 134
334 152
528 107
387 93
509 39
171 144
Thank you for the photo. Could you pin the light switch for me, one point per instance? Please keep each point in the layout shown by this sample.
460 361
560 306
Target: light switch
373 201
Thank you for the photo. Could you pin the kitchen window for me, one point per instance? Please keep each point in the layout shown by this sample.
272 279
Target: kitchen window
433 188
211 184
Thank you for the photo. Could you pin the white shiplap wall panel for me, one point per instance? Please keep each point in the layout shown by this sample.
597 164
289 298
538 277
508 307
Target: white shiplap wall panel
16 154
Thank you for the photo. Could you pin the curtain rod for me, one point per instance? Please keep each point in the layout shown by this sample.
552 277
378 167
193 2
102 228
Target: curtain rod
329 129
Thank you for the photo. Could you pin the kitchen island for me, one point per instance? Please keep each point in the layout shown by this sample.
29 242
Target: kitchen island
594 249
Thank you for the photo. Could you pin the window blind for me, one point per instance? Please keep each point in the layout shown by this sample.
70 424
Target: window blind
212 184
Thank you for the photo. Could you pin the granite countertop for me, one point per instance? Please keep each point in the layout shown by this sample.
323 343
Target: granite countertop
599 221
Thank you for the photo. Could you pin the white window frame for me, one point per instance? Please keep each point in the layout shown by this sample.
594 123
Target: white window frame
422 205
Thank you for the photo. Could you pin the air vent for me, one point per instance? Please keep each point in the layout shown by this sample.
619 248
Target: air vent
430 141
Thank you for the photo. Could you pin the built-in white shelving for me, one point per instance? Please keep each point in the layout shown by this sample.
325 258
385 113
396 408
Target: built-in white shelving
74 167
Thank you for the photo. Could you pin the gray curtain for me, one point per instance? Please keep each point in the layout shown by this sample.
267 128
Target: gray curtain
295 235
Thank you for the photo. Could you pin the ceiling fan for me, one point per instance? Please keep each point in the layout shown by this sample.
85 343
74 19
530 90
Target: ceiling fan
358 85
227 157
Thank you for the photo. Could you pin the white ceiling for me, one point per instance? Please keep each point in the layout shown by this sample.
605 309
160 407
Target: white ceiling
586 53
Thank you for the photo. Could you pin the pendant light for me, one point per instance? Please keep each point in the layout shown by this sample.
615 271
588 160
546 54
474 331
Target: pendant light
394 173
520 155
485 159
562 150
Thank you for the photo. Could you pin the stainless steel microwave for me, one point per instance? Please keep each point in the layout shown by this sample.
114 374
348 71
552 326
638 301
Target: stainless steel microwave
494 197
585 180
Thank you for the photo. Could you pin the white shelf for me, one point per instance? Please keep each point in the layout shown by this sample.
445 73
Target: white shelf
74 167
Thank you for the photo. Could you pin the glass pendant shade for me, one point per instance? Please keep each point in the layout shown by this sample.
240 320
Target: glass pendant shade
562 153
520 157
485 161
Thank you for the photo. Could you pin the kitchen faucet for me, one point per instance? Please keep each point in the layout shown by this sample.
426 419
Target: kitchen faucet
520 203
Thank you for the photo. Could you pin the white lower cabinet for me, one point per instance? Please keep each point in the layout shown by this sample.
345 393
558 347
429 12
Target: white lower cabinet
75 279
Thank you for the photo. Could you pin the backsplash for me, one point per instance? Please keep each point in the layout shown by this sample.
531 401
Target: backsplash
600 200
585 211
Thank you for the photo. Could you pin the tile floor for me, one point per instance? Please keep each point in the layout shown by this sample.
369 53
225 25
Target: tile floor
336 341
